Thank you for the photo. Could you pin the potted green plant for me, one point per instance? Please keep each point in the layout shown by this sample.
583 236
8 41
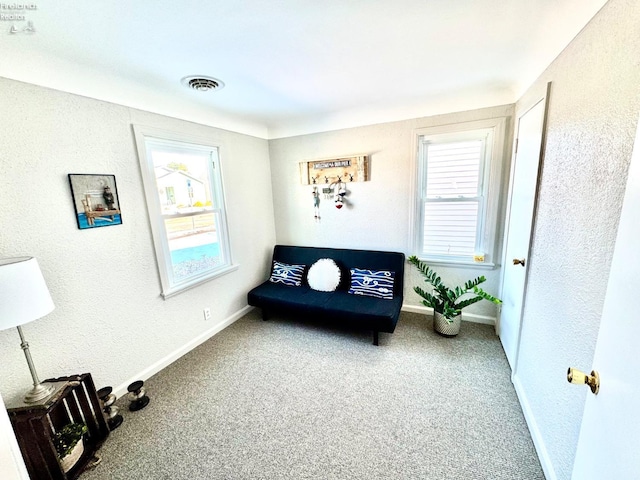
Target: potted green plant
69 445
447 303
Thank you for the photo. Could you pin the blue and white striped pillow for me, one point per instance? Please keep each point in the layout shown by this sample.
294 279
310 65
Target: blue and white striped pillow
290 275
372 283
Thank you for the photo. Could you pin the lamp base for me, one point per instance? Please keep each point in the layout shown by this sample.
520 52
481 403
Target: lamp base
42 392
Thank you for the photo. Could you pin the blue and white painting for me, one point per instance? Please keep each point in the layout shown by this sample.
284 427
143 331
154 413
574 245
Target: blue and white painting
95 199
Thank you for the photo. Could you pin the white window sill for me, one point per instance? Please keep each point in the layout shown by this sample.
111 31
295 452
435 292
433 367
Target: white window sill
458 263
198 281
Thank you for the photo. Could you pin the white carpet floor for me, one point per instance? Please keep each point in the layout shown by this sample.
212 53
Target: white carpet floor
289 399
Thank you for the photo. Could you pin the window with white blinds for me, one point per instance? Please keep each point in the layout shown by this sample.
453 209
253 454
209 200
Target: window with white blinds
454 192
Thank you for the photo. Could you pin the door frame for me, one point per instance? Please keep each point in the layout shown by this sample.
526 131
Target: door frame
544 97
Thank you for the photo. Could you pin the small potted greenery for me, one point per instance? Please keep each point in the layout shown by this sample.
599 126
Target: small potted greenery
446 302
69 445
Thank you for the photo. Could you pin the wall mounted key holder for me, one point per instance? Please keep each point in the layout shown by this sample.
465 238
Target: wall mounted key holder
332 170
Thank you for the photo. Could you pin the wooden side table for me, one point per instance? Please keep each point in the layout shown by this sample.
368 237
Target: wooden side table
35 425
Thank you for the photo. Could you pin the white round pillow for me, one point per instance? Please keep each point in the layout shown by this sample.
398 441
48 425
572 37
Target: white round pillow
324 275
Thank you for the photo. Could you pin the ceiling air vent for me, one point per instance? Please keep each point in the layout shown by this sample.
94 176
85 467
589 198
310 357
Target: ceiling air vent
202 83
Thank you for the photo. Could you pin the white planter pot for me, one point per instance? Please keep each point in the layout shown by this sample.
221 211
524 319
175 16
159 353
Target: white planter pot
70 460
442 326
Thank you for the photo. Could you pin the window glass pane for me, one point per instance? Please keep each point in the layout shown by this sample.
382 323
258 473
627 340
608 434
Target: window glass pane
188 206
453 169
194 245
183 183
450 227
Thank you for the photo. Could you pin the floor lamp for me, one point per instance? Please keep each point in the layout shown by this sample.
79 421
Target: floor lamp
24 297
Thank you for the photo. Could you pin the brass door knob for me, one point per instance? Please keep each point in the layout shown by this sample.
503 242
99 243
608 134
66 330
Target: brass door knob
580 378
517 261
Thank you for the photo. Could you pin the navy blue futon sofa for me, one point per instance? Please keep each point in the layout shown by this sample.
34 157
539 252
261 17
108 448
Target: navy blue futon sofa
348 304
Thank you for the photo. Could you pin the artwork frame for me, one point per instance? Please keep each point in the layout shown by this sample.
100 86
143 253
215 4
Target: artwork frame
95 200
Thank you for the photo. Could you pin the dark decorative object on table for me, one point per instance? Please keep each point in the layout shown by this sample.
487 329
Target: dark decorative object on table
137 396
108 399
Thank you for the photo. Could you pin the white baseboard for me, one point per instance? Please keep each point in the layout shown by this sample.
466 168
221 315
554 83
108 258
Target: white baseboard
536 436
467 317
175 355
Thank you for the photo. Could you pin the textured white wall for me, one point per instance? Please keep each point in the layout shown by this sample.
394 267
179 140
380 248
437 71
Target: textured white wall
379 210
110 319
594 105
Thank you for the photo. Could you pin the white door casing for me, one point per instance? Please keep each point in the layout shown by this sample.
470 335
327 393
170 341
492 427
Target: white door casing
523 187
610 431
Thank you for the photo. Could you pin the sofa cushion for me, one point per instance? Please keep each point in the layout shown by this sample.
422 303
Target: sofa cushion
286 274
372 283
377 313
324 275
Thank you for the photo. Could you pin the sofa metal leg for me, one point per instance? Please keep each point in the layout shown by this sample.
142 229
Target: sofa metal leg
375 337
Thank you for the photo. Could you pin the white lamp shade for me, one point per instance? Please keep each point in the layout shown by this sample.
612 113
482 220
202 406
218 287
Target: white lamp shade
24 295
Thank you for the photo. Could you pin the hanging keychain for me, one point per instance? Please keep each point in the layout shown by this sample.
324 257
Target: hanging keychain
316 204
341 191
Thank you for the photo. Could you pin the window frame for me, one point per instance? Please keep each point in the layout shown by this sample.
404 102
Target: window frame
491 183
169 285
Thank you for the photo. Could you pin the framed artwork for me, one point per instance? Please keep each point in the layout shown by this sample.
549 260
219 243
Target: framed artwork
95 198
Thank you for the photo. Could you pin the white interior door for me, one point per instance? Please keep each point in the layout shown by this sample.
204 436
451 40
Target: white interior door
610 432
522 200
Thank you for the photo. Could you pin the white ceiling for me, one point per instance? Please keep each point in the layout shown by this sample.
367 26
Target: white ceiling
292 66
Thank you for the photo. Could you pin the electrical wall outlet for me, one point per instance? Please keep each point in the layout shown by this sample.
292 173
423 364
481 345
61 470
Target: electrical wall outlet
207 313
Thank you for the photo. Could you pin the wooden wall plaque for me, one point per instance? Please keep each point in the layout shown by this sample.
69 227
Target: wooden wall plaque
331 170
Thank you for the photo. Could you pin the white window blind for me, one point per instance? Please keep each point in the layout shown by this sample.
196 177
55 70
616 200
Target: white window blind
453 197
